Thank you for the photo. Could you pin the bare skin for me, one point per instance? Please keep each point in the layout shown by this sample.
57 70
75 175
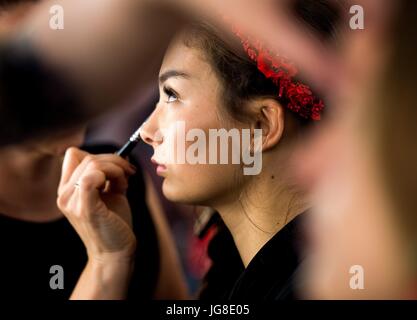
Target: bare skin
102 219
29 179
30 174
123 25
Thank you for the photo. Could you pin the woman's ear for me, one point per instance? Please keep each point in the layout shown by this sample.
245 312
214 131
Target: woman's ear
270 118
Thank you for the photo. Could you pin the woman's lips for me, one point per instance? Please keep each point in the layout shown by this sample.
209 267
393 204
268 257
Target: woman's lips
160 168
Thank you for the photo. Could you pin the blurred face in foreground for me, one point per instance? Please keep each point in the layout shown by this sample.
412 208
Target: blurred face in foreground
358 250
352 225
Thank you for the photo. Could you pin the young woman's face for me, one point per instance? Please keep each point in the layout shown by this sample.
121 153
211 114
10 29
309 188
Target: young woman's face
189 96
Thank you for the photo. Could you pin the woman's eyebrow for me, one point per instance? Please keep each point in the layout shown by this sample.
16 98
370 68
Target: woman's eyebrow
172 73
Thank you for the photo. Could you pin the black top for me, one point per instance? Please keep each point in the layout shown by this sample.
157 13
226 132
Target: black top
271 274
28 250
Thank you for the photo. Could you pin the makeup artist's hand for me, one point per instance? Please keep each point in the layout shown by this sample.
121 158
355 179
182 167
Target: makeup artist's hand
92 195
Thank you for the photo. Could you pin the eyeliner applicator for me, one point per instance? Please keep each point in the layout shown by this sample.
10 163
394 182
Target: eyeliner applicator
130 145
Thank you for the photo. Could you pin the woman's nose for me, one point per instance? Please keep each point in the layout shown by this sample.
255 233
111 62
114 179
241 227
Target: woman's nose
146 137
149 131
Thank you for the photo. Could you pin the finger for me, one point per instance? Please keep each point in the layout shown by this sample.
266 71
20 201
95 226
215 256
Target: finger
89 197
90 183
115 174
111 167
73 158
64 197
83 201
89 190
96 159
78 171
122 162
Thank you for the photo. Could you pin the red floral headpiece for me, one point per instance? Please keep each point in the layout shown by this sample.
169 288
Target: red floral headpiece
281 71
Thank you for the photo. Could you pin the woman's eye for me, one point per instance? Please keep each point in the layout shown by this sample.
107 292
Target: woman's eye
171 94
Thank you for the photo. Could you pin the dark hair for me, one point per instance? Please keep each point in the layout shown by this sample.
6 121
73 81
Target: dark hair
241 79
322 17
7 4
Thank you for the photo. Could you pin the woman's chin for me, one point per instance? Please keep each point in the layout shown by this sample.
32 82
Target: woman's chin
179 194
172 193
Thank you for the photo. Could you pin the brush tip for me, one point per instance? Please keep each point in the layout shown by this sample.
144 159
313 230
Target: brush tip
136 135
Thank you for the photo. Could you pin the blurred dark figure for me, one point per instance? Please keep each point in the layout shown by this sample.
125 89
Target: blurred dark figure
35 235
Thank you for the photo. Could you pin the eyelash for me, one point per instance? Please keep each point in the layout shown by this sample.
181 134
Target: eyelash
170 93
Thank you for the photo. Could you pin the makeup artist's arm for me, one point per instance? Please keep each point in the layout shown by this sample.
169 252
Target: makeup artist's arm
102 219
171 283
107 51
108 47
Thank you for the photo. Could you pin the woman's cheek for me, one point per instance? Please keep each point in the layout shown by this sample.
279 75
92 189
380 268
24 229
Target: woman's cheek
190 178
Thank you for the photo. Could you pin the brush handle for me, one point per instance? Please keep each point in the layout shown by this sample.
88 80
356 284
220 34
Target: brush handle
130 145
127 148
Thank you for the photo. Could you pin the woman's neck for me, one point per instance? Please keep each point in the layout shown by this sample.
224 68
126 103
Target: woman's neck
254 217
28 184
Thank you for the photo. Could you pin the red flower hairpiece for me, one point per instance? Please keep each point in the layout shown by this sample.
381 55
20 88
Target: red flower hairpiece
281 71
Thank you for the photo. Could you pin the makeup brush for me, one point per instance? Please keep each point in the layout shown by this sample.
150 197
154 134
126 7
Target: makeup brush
130 145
